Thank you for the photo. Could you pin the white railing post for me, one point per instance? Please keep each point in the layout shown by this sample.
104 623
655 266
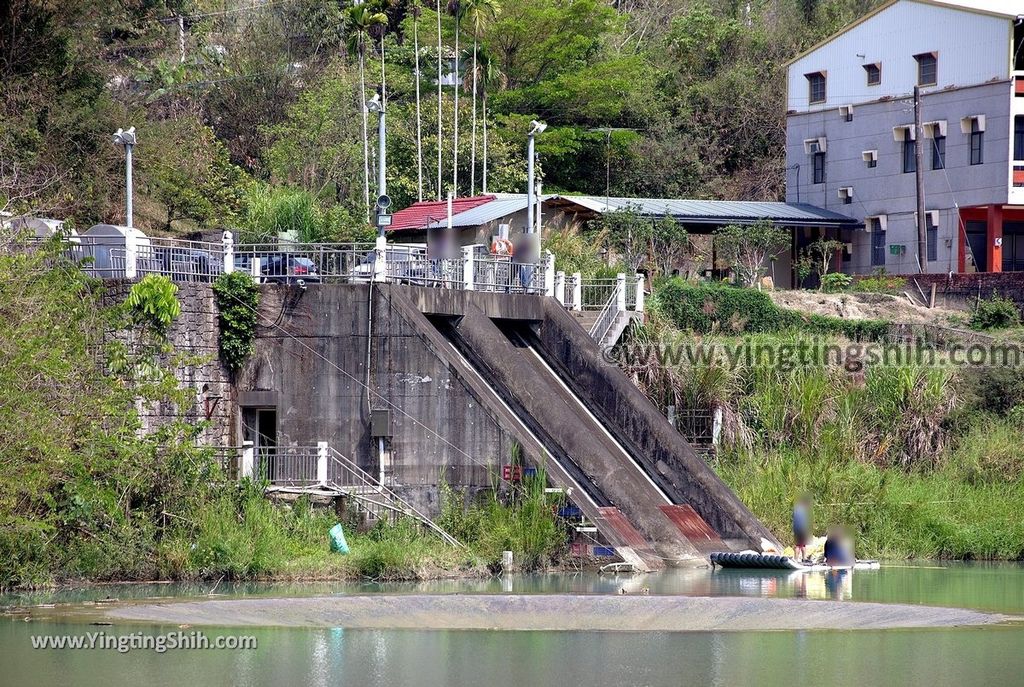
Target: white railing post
560 287
131 254
321 462
254 267
229 252
467 268
620 292
247 468
639 305
549 273
577 291
380 261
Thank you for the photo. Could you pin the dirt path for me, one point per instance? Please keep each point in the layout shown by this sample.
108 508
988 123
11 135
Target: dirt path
551 612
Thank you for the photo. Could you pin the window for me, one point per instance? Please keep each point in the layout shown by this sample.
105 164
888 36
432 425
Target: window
977 142
819 168
816 87
877 242
938 150
846 194
1018 137
874 74
927 69
909 156
846 112
870 157
932 235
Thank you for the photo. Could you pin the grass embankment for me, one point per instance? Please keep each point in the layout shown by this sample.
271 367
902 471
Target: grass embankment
919 460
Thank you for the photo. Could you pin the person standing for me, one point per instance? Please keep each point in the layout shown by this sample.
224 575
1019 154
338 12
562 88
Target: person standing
801 527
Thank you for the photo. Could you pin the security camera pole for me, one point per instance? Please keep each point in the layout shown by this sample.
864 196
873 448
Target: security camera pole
128 140
537 127
376 104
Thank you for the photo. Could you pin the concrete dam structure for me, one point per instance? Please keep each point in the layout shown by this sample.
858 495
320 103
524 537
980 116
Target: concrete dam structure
422 386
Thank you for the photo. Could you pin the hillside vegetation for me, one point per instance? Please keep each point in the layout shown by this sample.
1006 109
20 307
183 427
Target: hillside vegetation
251 116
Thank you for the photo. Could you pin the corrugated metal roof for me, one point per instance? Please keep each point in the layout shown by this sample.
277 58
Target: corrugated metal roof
504 205
716 211
418 215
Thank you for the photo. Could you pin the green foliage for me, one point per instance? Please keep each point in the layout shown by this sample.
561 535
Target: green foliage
153 302
834 282
880 282
575 251
238 299
748 249
995 313
628 234
272 211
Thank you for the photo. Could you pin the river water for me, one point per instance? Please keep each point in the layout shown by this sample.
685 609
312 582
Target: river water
960 656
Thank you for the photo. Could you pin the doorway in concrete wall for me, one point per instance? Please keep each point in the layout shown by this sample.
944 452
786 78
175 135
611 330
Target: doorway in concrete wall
977 245
259 425
1013 247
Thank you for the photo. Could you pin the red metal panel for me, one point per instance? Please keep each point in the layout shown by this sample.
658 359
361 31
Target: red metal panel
419 215
693 527
615 520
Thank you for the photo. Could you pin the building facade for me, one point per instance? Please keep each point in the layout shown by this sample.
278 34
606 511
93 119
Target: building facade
850 134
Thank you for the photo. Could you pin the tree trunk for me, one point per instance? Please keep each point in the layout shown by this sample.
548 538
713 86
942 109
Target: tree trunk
419 123
472 146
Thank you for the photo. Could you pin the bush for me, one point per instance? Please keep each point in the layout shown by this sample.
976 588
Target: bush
995 313
835 281
711 308
880 282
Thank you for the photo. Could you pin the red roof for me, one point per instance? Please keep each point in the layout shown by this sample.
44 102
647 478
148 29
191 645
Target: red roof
419 215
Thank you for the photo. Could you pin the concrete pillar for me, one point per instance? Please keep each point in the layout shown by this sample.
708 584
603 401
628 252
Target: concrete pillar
248 467
995 238
229 252
639 306
560 287
254 267
321 462
549 273
380 262
131 255
467 268
620 292
577 291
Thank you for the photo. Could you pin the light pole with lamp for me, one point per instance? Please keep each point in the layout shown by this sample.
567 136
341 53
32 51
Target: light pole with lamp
128 140
533 233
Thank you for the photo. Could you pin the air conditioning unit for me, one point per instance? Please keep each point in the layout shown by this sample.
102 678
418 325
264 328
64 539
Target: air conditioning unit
815 148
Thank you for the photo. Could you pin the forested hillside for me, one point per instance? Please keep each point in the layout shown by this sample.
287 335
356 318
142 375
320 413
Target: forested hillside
248 113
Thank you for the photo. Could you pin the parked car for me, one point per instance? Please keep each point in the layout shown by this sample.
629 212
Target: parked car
286 268
188 264
406 264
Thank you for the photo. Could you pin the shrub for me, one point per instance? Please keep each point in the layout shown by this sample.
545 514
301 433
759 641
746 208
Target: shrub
237 301
835 281
995 313
880 282
153 302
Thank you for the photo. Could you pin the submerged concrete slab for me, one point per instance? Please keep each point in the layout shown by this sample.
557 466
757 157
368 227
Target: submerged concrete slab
552 612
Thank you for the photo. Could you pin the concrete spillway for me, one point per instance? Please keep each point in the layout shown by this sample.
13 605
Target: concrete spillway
639 482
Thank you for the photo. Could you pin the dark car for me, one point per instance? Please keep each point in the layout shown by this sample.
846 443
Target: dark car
188 264
288 269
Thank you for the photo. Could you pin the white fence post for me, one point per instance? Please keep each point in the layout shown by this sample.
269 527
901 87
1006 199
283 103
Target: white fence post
380 261
577 291
229 252
131 254
254 267
620 292
247 468
639 306
321 462
549 273
467 268
560 287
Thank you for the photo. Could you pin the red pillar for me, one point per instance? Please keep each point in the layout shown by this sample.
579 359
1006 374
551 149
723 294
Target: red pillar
995 238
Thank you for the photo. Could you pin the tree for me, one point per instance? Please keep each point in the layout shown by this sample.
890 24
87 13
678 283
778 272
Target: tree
670 244
478 12
360 19
748 248
629 235
824 251
489 75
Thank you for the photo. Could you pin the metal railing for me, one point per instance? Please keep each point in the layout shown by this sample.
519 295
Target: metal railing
310 262
607 317
597 292
502 275
180 260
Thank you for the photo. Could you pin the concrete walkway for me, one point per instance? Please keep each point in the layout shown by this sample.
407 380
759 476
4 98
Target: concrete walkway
551 612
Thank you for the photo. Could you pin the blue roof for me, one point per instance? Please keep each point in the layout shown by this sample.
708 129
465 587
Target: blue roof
719 211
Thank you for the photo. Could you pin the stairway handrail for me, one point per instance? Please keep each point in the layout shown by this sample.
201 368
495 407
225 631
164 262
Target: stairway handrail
606 318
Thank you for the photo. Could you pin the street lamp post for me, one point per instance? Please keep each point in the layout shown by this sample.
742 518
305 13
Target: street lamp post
537 127
128 140
376 104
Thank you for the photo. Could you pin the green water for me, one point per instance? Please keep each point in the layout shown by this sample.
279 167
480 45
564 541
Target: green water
965 656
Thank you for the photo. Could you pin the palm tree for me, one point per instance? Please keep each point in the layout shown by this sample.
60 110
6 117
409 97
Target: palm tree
360 20
415 9
490 75
479 12
456 9
440 191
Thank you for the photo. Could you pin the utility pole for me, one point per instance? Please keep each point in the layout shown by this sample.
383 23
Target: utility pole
922 220
127 140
